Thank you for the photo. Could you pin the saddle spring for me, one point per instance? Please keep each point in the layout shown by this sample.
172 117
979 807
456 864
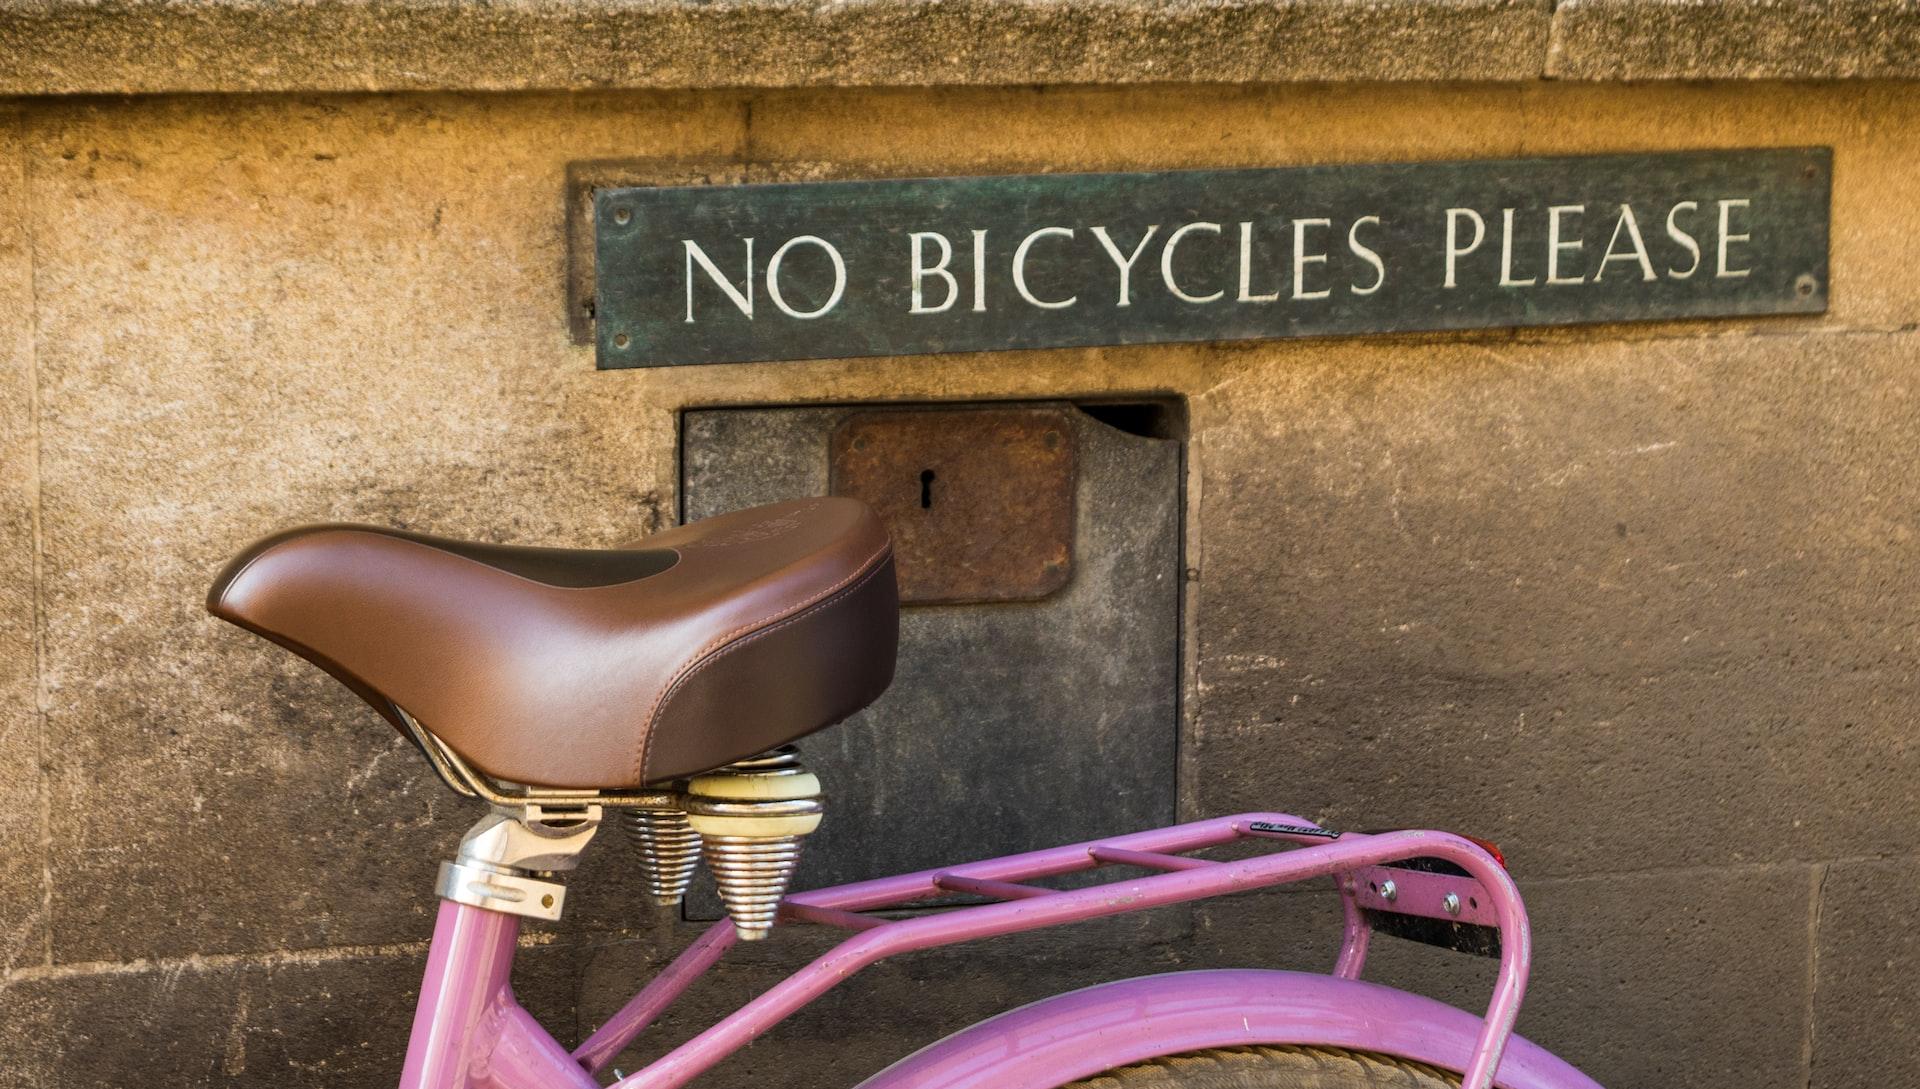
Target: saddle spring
747 819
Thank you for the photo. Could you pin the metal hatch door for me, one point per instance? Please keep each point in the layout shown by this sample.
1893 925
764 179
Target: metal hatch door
1036 698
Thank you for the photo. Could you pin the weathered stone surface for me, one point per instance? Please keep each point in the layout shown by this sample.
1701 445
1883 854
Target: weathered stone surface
160 46
1660 978
1866 999
320 1020
23 935
149 46
262 315
1735 39
1613 605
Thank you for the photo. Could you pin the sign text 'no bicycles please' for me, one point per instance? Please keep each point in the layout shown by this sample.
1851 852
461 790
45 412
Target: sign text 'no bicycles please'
720 274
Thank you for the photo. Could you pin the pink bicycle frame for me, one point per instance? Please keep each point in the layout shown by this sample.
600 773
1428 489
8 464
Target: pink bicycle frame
470 1033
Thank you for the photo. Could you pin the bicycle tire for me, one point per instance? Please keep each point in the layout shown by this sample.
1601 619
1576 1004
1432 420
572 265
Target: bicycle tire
1273 1067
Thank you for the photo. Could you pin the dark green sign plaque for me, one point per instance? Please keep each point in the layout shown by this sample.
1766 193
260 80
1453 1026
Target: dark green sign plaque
728 274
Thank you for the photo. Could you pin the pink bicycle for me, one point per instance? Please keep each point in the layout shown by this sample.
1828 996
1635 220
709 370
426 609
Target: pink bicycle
666 681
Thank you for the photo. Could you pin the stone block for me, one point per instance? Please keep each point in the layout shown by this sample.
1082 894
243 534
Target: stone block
1618 606
174 45
23 916
1866 989
289 1022
1734 39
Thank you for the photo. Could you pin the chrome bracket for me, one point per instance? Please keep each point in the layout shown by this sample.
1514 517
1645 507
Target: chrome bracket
511 894
468 782
507 859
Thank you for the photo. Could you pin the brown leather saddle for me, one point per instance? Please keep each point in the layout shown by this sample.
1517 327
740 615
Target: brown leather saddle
592 669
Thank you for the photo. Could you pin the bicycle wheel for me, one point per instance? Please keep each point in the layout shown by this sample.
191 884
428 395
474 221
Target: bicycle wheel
1273 1067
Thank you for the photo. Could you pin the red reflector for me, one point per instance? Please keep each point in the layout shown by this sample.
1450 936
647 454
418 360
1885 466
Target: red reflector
1488 846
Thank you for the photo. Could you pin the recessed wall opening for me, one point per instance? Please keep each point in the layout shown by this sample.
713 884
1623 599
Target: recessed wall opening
1038 546
1160 418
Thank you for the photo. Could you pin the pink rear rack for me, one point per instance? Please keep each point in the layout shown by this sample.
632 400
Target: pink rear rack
1020 906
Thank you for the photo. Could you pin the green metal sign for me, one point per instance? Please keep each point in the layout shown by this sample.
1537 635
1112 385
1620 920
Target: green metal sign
730 274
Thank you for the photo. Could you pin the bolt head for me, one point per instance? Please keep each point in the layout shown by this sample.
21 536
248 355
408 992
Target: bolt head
1389 891
1451 903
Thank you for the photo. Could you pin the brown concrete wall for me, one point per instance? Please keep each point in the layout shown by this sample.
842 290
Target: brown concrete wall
1636 601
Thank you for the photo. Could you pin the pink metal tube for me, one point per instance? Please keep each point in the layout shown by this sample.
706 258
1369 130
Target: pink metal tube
467 972
845 920
1146 860
646 1007
1079 1034
1353 942
902 888
525 1056
1005 890
468 1032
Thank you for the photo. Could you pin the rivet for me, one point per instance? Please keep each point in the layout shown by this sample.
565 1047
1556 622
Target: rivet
1805 285
1451 903
1389 891
622 215
546 901
620 340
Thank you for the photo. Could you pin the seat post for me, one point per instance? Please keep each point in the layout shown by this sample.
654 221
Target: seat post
750 817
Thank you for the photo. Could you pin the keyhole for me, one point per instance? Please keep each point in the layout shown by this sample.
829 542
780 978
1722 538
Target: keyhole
926 489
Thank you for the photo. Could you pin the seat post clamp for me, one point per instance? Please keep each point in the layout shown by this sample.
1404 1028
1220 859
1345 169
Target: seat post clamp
483 886
506 860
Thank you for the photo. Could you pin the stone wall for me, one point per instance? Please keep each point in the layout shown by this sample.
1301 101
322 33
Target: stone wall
1635 601
173 46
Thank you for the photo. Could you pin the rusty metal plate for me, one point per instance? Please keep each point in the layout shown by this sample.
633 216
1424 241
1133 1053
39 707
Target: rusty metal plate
980 501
